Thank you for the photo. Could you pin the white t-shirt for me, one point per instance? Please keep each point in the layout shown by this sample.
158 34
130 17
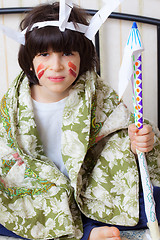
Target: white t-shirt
48 118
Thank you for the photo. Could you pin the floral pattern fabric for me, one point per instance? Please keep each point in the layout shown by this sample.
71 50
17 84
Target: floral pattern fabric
125 235
36 200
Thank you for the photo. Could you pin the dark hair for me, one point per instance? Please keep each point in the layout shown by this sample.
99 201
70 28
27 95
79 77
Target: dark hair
40 40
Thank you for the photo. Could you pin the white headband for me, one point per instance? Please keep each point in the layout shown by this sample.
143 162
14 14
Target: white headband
65 9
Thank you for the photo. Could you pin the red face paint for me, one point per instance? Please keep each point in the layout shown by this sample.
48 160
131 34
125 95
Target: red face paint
72 73
40 74
71 65
72 69
40 70
40 67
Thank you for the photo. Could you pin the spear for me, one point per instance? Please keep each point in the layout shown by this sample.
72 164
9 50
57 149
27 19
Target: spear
131 69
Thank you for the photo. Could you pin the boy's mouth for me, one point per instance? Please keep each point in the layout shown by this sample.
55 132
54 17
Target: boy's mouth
56 79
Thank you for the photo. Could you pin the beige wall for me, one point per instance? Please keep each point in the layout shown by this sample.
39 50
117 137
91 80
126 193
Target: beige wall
113 34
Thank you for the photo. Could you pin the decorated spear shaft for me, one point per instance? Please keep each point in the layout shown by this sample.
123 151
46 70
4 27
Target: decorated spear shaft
137 91
146 183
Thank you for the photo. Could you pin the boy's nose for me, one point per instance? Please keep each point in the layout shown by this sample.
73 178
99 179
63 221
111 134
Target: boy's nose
55 63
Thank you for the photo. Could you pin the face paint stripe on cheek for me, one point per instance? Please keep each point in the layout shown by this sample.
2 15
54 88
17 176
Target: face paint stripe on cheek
40 74
71 65
40 67
72 73
40 70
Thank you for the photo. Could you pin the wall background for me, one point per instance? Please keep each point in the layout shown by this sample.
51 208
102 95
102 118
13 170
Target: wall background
114 34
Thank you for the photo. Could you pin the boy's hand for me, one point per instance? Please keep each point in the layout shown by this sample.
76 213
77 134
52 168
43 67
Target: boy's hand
142 139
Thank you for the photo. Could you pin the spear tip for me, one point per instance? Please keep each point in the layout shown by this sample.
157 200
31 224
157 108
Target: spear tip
134 25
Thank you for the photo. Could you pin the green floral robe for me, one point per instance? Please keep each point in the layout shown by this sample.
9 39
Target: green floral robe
36 200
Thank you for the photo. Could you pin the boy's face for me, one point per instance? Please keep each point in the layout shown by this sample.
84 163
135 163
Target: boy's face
56 71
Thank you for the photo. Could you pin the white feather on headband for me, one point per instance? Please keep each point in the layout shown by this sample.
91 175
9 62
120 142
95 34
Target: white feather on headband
65 9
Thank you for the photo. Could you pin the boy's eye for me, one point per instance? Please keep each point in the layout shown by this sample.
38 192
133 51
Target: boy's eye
67 54
45 54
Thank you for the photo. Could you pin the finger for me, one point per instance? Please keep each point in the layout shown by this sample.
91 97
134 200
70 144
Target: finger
132 128
144 150
145 130
132 131
144 144
144 147
144 138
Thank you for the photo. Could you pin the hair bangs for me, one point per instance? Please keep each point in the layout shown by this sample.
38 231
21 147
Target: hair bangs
73 41
43 39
